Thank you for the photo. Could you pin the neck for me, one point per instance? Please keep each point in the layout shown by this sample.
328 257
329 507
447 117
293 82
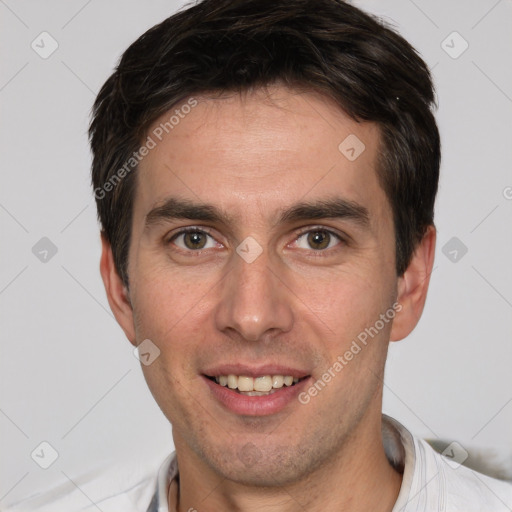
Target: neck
357 478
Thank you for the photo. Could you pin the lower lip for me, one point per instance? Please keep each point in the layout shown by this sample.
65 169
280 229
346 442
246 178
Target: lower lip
256 405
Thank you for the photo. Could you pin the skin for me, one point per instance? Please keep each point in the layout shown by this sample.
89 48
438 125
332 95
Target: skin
252 157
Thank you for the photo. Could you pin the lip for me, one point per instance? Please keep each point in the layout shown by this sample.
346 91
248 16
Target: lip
256 405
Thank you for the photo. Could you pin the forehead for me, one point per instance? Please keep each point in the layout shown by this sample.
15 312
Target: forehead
251 154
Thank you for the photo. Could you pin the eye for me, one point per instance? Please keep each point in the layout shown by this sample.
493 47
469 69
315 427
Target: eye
194 240
318 240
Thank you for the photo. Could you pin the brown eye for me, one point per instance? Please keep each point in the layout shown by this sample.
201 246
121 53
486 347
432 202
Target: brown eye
193 240
319 239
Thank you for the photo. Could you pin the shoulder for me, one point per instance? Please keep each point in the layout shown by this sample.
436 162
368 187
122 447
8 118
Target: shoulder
459 488
435 482
126 487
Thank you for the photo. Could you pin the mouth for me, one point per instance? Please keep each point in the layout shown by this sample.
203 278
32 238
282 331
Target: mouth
255 386
253 392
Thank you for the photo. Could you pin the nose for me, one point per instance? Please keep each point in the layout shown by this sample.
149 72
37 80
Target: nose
254 303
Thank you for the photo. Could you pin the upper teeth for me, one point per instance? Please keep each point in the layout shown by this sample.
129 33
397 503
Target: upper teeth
264 383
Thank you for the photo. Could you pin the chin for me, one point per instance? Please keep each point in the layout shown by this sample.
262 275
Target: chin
255 466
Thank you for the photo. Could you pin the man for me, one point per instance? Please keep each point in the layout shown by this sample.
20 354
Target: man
265 176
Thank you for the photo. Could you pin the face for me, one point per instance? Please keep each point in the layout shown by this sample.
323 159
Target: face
260 251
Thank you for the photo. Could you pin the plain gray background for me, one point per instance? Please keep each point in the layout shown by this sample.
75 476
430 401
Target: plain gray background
68 376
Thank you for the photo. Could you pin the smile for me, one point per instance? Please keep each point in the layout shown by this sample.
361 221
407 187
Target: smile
257 395
256 386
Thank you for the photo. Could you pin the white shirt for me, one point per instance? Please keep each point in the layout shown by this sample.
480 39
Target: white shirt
431 483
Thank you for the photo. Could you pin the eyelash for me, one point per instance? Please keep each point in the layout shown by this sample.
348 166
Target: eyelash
316 253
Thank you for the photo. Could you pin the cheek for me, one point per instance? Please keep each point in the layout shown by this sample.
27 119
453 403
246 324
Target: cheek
175 313
345 300
166 299
171 316
355 339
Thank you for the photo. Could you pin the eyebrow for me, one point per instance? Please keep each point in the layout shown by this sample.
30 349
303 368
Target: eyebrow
336 208
174 208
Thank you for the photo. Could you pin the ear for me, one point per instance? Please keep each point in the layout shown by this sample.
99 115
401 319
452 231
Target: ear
117 293
413 286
